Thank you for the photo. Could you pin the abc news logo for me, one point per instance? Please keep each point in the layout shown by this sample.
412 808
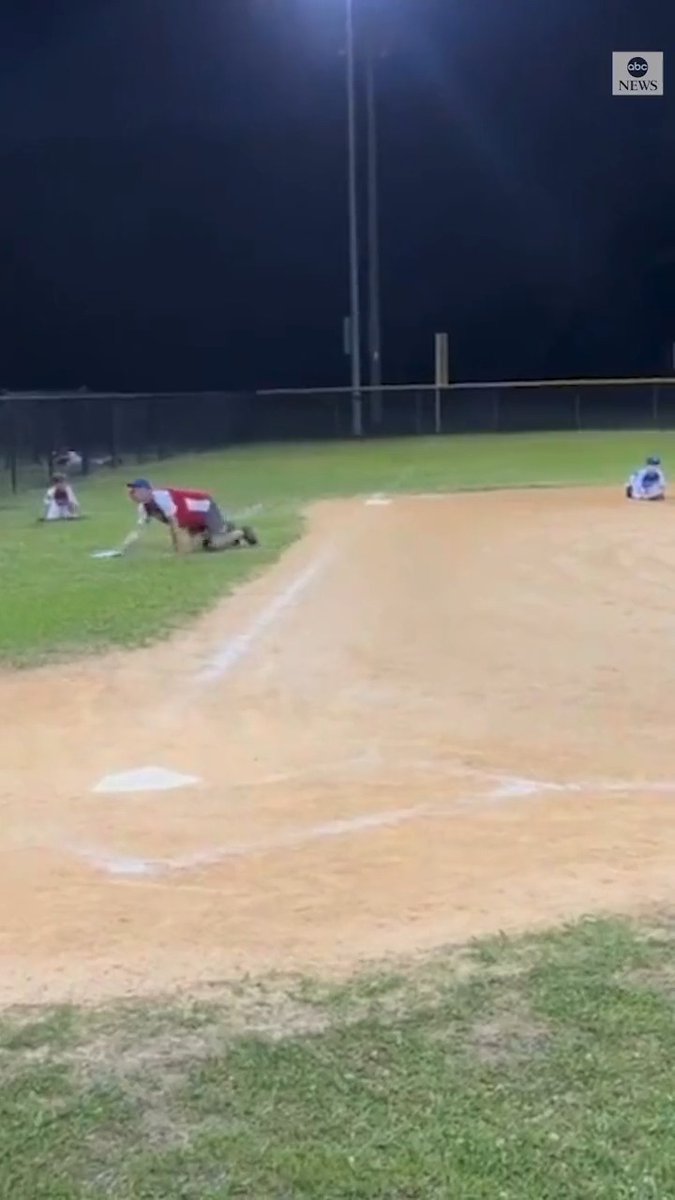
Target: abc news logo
637 74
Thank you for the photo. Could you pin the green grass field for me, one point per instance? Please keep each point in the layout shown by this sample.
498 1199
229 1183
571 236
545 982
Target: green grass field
540 1069
532 1069
57 601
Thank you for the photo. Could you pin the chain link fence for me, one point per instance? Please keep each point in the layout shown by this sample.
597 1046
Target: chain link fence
107 430
527 406
40 431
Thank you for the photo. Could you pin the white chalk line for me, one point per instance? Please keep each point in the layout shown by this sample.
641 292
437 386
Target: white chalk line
234 649
121 865
505 789
381 498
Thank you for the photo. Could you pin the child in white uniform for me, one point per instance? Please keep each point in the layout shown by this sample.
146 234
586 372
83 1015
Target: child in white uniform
649 483
60 502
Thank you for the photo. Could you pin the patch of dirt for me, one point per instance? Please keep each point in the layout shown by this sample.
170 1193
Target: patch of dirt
654 979
166 1045
453 725
507 1036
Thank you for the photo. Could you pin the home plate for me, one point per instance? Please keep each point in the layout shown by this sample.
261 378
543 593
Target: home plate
144 779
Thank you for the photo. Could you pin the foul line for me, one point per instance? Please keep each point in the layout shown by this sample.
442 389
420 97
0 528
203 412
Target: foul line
123 865
504 790
234 649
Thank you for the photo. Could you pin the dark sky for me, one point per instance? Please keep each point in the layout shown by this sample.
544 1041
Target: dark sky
173 190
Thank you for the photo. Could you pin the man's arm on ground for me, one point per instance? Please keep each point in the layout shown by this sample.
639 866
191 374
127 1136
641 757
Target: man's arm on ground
174 530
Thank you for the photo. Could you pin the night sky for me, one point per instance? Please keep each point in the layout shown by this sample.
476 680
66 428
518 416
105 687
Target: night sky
173 191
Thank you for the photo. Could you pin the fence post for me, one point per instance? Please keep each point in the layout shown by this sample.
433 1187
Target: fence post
655 404
438 411
577 410
418 413
13 449
152 435
55 435
337 415
36 428
86 436
496 410
114 433
141 425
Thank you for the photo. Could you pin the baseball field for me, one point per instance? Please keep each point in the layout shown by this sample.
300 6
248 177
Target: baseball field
342 868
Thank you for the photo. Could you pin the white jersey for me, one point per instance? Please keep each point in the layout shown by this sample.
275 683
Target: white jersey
648 482
62 493
164 502
60 502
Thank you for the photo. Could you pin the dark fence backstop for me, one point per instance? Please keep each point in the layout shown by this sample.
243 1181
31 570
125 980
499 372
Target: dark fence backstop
36 428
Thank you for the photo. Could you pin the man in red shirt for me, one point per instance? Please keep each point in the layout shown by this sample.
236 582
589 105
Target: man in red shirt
190 512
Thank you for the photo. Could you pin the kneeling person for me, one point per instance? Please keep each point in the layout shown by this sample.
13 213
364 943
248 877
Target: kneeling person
60 502
649 483
191 512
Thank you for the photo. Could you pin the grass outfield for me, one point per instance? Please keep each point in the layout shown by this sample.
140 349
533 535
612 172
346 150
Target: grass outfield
57 601
539 1069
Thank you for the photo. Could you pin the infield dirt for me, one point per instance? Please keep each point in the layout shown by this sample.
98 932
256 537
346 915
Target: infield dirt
435 718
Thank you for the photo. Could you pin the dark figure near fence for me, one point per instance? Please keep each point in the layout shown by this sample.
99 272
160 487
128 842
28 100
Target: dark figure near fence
71 462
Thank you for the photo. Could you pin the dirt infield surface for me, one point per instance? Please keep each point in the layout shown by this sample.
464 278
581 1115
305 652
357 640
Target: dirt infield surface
435 718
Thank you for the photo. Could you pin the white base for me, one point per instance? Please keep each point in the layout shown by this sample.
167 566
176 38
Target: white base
144 779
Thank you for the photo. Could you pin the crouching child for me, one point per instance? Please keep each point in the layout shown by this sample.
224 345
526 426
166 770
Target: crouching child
60 502
649 483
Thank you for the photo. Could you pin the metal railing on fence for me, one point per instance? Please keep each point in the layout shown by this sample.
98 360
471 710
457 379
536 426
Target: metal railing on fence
503 406
109 428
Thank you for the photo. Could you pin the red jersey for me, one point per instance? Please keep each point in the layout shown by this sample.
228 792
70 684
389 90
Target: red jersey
188 508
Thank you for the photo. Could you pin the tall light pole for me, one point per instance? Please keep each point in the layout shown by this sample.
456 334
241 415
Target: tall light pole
374 315
354 283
